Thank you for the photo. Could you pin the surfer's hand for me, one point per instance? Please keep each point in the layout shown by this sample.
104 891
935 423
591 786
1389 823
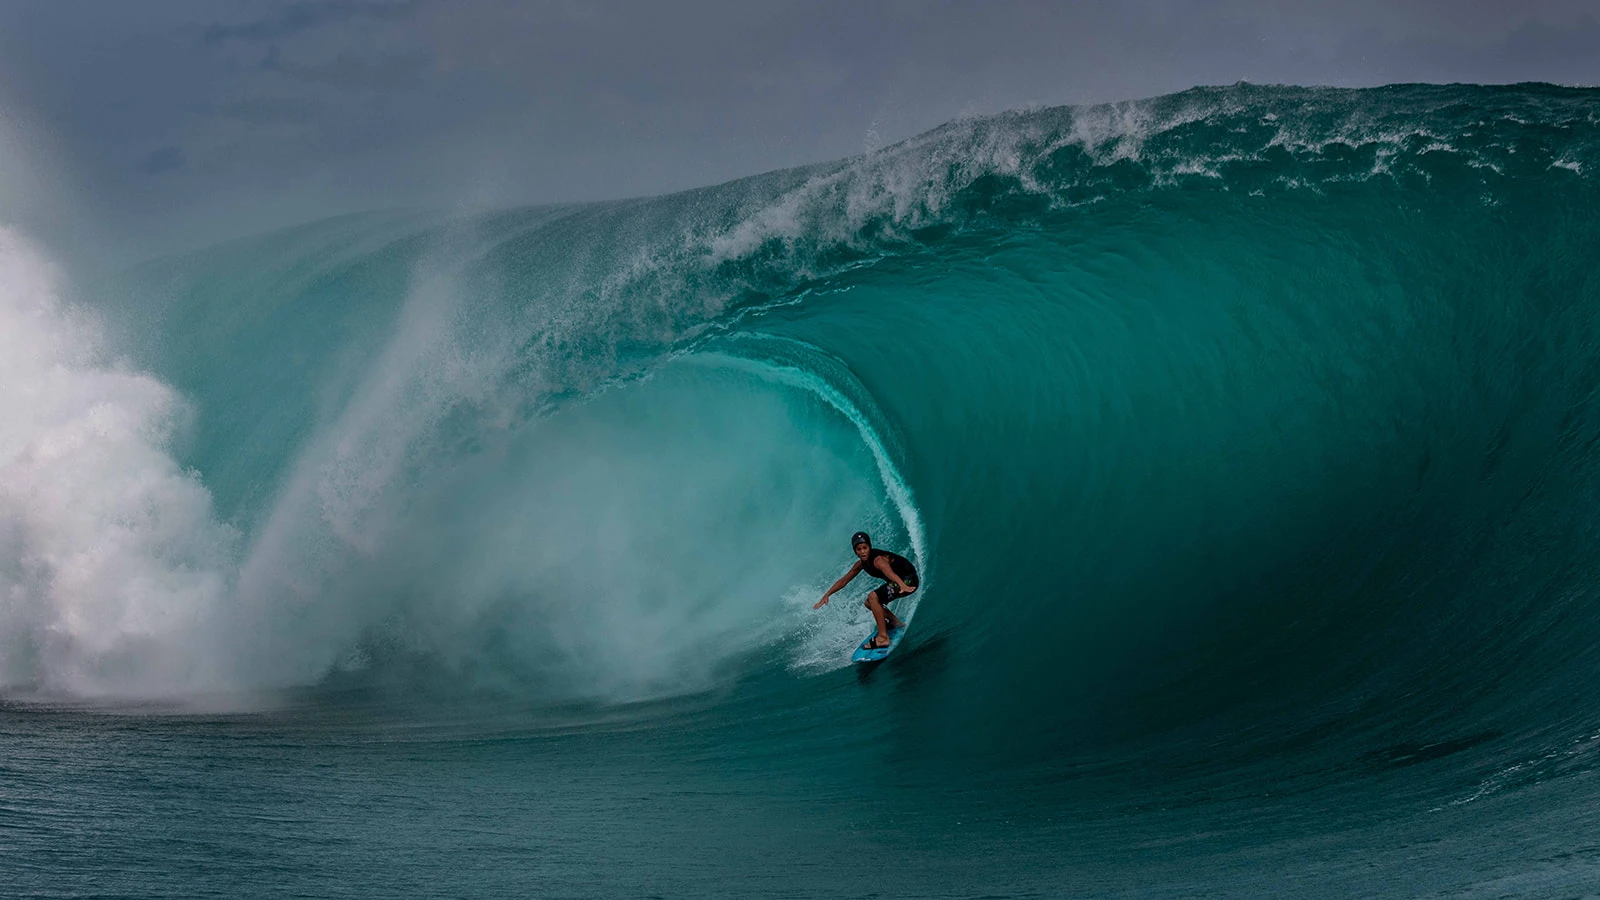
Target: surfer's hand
820 603
908 589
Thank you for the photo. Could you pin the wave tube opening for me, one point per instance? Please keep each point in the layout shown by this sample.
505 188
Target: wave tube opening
633 546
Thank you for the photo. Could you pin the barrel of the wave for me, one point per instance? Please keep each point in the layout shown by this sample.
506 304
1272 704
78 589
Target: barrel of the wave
1179 452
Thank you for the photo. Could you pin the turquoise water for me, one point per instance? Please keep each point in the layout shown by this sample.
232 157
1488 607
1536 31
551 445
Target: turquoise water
1245 438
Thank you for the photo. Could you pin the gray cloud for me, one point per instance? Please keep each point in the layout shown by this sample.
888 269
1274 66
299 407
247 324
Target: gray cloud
305 15
1532 51
264 111
165 159
384 71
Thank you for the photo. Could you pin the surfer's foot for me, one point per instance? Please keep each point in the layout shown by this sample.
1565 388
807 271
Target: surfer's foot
879 642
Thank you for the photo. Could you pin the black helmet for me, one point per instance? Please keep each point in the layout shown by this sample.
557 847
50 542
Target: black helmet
859 538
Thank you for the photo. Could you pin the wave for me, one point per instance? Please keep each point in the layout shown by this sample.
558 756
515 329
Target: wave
1252 411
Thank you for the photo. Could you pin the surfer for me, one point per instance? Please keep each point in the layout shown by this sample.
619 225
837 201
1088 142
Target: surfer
899 579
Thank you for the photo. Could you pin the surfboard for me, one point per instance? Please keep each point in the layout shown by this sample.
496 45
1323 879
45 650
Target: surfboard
862 654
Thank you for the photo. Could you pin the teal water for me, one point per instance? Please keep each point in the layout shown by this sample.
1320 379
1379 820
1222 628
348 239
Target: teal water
1245 438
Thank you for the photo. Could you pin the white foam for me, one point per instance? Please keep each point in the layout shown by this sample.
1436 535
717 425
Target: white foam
111 564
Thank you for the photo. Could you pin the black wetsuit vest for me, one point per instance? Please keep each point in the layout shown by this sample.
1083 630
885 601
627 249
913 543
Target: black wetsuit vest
900 565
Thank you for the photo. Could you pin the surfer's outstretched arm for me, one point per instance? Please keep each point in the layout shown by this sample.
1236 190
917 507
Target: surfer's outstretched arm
839 585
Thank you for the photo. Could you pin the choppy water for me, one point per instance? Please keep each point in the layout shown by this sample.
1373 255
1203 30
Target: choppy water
1245 438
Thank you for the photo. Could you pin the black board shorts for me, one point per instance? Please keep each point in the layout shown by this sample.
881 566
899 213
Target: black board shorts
889 592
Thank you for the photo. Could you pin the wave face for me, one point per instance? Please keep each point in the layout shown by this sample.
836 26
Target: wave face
1236 428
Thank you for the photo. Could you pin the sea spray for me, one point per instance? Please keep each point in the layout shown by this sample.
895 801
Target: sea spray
112 568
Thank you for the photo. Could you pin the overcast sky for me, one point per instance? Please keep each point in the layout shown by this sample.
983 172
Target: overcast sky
142 127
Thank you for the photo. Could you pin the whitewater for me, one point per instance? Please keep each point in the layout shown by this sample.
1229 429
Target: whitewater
1245 438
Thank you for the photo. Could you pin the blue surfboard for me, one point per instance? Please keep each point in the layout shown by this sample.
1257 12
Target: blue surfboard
862 654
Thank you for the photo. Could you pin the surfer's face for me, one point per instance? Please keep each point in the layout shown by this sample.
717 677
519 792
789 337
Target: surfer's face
862 550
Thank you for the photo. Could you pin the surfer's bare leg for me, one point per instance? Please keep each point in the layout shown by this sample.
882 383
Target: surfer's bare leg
888 614
880 614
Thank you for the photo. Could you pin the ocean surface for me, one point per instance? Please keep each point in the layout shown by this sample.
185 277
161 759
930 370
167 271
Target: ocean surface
1247 440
